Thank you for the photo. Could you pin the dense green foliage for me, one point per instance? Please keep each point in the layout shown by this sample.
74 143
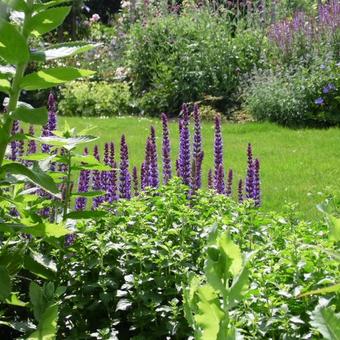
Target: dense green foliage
97 99
126 270
290 96
178 59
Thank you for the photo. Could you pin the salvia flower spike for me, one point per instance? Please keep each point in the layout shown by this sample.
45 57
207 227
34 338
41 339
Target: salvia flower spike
124 175
166 150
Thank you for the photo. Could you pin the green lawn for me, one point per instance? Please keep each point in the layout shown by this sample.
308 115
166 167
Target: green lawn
296 164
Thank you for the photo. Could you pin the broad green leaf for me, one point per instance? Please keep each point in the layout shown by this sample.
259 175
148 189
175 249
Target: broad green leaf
5 284
36 176
238 287
330 289
67 143
41 6
47 20
47 327
33 116
13 47
5 86
189 294
51 77
14 301
334 229
37 300
209 313
326 322
38 230
40 265
12 258
61 51
233 252
77 215
36 157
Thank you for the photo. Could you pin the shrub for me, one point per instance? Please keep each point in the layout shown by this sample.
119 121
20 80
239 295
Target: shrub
176 59
82 98
296 96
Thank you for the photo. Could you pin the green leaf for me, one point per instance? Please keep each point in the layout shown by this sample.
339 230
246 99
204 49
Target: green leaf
89 194
13 47
41 6
14 301
334 228
330 289
239 285
40 265
209 313
17 5
5 284
77 215
36 157
36 176
5 86
326 322
47 327
51 77
47 20
33 116
37 300
61 51
67 143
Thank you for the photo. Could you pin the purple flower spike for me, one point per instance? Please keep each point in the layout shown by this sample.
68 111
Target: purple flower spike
135 181
319 101
111 184
70 239
240 191
15 144
177 168
32 145
112 154
143 176
96 152
210 180
257 185
229 183
97 184
219 183
197 148
83 186
196 181
21 145
184 149
147 164
106 154
124 176
51 123
52 113
153 135
154 181
166 149
250 174
218 150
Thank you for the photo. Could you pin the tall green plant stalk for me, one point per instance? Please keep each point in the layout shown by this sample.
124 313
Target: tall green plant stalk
15 90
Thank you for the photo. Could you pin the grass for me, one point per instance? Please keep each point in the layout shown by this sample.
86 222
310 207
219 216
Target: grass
296 165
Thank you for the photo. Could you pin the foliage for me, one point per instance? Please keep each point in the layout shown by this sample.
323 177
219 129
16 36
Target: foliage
100 99
207 305
298 96
126 270
177 59
20 209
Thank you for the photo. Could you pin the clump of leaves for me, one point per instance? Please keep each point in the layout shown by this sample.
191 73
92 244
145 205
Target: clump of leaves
208 299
